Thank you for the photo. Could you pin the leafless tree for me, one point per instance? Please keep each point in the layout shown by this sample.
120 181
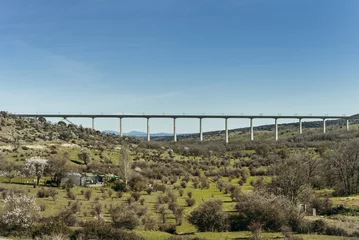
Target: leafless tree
15 140
343 161
125 170
292 177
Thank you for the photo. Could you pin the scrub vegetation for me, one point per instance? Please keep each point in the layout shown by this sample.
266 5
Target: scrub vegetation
300 187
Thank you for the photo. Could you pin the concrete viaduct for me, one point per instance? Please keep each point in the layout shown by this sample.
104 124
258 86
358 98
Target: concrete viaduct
200 117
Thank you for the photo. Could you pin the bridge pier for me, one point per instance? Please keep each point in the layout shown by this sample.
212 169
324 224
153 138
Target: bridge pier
226 130
252 133
300 126
148 130
276 129
93 123
347 124
174 130
324 127
200 130
121 133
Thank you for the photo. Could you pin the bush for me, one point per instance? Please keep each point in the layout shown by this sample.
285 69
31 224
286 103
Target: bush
209 217
88 194
150 223
71 195
50 226
124 217
20 212
189 194
103 231
136 195
42 193
272 211
119 194
42 207
119 186
149 190
168 227
190 202
322 205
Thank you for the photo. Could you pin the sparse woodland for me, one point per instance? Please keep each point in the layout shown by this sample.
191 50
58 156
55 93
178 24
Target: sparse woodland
164 190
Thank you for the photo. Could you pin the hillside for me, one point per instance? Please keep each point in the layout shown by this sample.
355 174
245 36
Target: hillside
285 129
168 181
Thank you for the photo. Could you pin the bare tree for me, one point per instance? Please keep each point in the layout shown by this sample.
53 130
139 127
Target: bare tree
125 170
292 177
15 140
343 161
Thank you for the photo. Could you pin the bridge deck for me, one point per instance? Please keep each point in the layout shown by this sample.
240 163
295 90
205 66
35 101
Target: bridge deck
184 116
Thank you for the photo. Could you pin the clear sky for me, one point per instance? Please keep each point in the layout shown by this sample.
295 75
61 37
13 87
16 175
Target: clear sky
179 56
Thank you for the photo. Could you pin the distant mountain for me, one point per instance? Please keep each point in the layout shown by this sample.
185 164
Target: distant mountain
138 134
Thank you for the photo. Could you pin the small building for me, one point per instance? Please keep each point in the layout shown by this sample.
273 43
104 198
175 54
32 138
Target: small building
87 179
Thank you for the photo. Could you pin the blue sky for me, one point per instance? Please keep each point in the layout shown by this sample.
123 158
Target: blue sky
166 56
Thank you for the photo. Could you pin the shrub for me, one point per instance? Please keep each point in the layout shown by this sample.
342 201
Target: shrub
42 193
181 192
119 185
190 202
88 194
189 194
119 194
124 217
270 210
109 192
150 223
71 195
322 205
130 200
178 213
168 227
209 217
50 226
103 231
256 229
20 211
136 195
67 217
149 190
42 207
97 209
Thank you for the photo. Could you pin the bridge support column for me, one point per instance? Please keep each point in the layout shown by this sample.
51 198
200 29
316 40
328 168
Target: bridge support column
252 133
276 129
226 130
93 123
121 132
347 124
148 130
300 126
174 130
200 130
324 127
